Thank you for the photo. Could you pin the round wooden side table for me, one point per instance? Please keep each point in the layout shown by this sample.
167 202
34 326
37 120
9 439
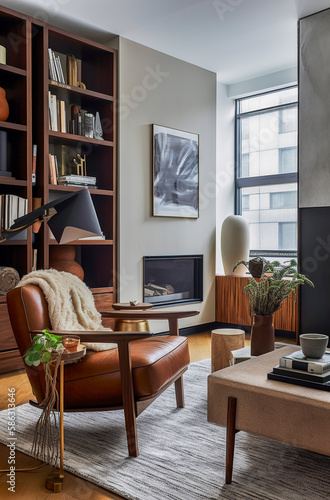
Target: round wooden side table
223 341
131 325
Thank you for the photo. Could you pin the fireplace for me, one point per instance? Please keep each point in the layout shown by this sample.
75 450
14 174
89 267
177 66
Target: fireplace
174 279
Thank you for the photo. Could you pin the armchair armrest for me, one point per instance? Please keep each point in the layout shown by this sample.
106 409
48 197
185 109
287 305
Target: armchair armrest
171 316
100 336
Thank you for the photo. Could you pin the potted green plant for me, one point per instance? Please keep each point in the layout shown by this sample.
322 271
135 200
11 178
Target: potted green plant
43 348
278 282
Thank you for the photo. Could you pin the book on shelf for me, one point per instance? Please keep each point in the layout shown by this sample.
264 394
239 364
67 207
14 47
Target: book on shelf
298 361
55 67
11 208
35 257
52 170
57 114
34 163
325 386
301 374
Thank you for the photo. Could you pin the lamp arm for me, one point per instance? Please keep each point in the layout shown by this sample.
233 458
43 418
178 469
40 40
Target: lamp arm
42 218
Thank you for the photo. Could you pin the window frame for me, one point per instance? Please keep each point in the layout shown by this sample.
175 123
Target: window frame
262 180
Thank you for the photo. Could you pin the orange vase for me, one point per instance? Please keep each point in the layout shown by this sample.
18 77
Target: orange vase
4 108
62 258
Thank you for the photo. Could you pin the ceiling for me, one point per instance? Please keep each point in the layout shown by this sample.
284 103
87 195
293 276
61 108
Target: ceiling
238 39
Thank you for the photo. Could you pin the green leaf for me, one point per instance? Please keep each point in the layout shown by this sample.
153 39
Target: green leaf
46 357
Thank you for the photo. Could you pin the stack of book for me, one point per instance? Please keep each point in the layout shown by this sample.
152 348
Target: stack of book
55 67
297 369
77 180
12 207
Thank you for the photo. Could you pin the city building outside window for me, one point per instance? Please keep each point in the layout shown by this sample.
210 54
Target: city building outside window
266 171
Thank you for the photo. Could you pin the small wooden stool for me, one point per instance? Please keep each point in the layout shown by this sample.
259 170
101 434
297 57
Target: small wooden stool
223 341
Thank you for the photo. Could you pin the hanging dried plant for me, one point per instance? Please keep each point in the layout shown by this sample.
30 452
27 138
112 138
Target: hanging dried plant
47 349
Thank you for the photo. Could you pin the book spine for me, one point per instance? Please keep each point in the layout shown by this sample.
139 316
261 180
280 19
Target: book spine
34 163
307 366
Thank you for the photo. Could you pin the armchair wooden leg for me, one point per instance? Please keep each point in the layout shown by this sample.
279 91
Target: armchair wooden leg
128 398
179 392
131 433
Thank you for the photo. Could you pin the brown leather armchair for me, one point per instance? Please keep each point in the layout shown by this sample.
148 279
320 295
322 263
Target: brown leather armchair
128 378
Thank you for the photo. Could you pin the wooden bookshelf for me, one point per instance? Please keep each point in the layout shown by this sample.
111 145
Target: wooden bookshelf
26 80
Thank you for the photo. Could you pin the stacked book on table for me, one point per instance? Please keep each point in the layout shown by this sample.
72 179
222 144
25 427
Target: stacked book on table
297 369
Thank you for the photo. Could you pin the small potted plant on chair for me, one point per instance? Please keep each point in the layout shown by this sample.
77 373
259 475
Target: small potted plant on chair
278 282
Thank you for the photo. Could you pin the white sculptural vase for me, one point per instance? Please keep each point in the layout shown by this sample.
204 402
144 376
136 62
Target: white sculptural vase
235 244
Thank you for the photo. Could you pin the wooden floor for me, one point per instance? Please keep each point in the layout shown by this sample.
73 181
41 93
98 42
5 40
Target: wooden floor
30 485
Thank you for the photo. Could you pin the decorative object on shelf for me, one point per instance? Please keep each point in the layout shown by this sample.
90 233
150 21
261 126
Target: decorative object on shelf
277 283
98 132
62 258
4 107
3 55
9 278
235 244
4 172
80 162
175 173
313 345
70 217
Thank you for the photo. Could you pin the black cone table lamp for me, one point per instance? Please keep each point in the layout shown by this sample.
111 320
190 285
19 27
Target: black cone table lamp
70 217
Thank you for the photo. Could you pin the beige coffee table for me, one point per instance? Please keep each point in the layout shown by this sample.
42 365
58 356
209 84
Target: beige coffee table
242 398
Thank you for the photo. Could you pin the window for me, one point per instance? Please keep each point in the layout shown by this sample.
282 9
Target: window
287 235
287 160
287 120
283 200
266 171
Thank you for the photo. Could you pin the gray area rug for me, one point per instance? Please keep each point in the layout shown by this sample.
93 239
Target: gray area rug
182 457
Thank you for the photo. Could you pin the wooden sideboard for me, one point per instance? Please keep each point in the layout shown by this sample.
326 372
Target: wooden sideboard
232 305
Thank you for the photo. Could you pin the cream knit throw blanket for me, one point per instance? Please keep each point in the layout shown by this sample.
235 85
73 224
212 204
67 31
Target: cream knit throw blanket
70 303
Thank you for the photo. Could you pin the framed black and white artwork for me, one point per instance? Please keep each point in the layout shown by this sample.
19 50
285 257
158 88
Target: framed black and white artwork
175 173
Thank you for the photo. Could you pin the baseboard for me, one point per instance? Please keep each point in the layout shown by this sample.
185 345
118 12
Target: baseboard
190 330
247 329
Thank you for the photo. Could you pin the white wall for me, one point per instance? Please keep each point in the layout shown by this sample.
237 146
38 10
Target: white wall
156 88
225 204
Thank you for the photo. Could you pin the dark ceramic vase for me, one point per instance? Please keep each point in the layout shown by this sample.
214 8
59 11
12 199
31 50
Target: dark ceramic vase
262 335
4 108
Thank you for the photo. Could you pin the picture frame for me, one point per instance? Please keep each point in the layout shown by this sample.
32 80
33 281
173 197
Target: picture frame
175 178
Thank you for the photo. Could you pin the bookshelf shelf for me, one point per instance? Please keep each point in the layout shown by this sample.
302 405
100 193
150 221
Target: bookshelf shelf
9 181
82 92
12 69
86 242
62 137
104 192
14 243
13 126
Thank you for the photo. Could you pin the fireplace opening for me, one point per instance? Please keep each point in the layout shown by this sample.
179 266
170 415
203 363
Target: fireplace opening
175 279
